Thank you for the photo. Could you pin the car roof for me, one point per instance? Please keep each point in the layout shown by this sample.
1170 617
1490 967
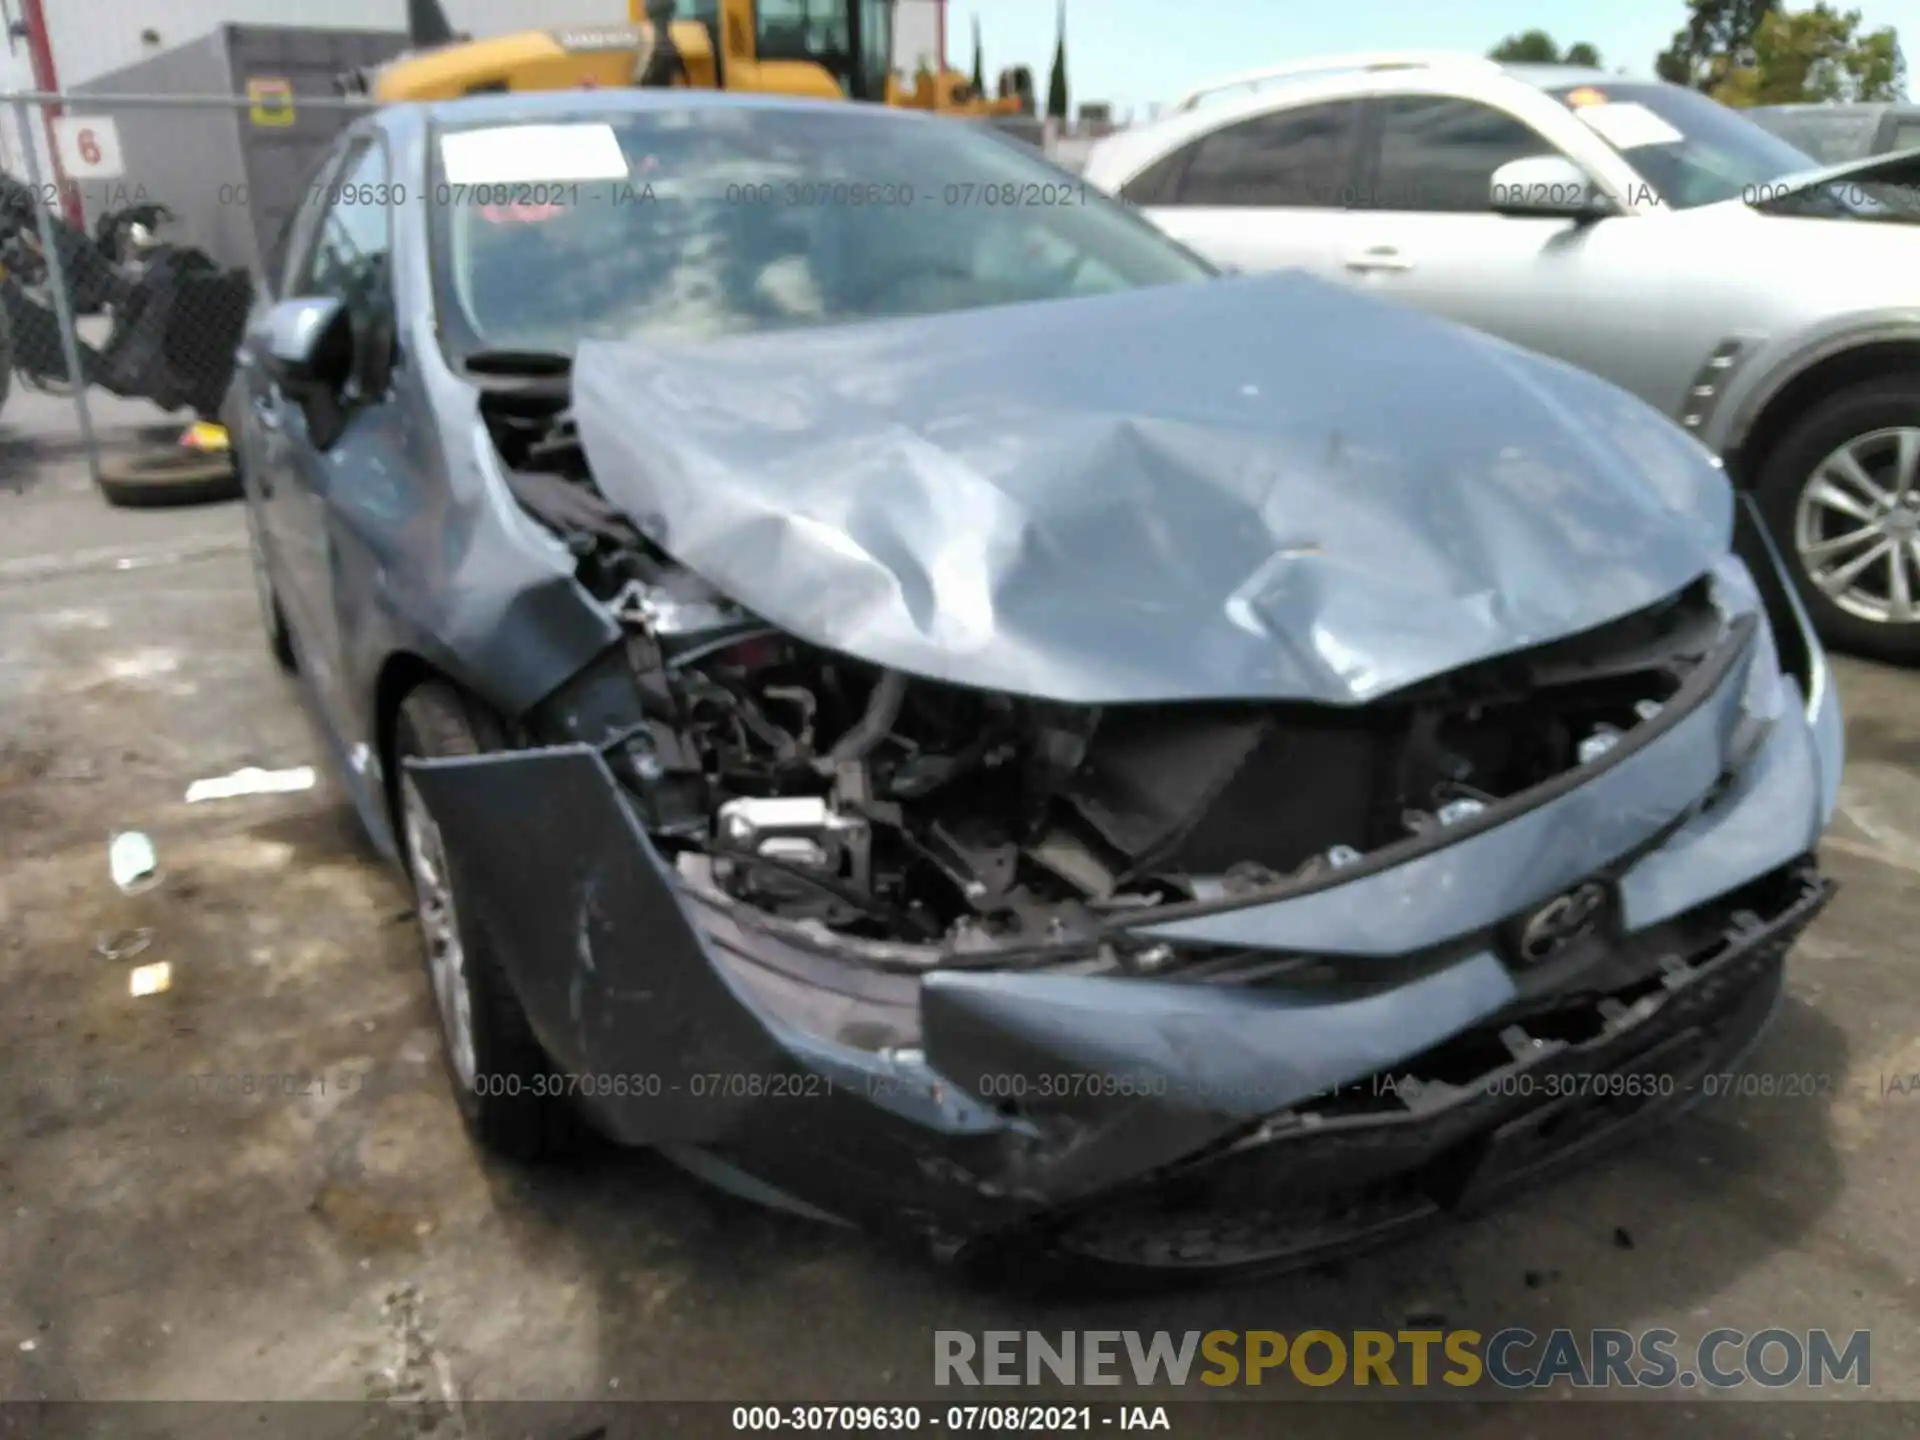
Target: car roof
1130 150
1439 62
532 107
1551 77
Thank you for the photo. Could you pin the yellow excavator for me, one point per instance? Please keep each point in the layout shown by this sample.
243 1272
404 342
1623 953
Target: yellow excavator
829 49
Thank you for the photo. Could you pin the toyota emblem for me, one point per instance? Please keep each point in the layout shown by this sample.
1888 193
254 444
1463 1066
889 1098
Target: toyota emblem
1561 921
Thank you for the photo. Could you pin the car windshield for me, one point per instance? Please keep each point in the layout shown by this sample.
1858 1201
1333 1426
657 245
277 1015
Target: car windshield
713 220
1691 149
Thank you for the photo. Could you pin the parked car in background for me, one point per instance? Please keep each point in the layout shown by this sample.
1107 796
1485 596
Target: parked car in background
1637 229
960 718
1836 134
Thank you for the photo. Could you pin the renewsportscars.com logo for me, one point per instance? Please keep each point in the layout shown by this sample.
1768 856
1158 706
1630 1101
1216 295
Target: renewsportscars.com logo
1511 1359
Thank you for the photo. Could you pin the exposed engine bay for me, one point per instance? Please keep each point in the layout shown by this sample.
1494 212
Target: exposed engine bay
876 806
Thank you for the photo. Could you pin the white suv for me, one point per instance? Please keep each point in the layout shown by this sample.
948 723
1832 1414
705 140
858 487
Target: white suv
1636 229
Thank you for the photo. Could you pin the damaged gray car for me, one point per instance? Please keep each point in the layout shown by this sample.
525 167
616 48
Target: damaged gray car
899 687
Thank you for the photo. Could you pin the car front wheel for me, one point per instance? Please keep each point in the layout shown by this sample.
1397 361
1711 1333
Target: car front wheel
502 1080
1841 492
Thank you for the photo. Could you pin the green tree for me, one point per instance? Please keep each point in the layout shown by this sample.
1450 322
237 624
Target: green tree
979 64
1537 47
1530 47
1814 56
1717 39
1057 82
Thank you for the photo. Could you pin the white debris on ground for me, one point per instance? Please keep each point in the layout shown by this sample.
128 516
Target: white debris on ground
251 780
132 862
151 979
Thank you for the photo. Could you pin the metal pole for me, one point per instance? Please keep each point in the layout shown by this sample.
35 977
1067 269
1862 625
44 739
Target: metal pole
62 307
46 77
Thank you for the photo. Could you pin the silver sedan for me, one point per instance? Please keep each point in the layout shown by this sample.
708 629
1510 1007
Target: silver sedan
1638 230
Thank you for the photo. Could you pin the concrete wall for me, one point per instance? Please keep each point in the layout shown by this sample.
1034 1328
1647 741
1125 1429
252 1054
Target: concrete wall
91 38
232 183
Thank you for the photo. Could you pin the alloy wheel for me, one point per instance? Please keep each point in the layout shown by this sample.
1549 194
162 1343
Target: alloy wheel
440 929
1857 526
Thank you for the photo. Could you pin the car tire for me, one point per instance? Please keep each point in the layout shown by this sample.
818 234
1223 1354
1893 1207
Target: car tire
502 1079
148 481
1862 421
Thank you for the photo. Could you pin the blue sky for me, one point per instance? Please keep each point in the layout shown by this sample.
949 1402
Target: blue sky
1136 51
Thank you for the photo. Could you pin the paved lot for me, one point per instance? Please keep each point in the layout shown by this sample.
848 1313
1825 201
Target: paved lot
162 1240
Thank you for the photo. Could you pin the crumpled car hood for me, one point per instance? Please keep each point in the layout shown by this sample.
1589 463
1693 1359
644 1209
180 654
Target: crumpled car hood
1261 488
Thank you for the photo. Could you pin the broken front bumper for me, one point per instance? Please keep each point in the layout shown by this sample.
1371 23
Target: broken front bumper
1476 1119
958 1103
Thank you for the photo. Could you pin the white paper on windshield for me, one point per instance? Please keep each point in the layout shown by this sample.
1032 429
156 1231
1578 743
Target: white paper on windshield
517 154
1626 125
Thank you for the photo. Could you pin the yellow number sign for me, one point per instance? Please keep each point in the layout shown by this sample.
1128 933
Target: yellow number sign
272 99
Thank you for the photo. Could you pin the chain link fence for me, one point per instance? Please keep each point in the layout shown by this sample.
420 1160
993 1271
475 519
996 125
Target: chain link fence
129 264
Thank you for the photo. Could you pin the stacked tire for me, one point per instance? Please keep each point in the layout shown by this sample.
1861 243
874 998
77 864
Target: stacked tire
179 476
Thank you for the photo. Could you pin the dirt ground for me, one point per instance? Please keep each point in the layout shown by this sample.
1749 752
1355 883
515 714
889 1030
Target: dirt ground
166 1235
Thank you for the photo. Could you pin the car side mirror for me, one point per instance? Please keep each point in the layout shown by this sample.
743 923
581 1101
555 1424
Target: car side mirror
1547 187
308 345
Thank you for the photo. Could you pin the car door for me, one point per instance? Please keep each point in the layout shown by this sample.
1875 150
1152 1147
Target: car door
1263 193
341 448
256 412
1425 233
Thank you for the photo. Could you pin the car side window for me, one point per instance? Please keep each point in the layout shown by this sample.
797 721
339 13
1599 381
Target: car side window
1438 153
295 244
1294 158
350 257
1159 183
